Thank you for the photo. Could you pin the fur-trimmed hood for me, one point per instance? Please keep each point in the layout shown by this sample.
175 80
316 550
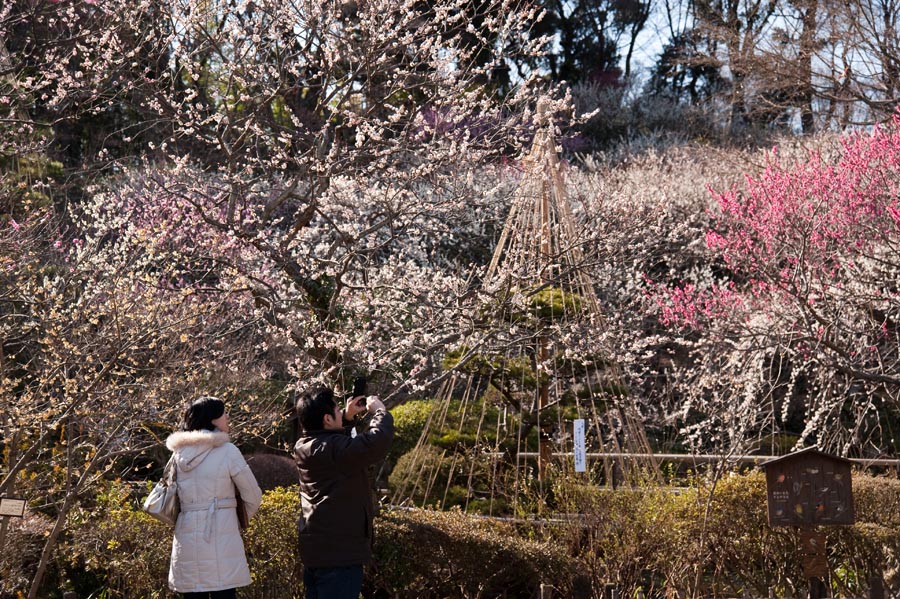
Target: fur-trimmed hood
192 447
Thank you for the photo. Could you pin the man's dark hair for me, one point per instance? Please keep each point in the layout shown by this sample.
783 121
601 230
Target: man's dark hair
313 406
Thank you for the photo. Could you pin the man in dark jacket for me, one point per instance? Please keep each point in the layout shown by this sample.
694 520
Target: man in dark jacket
335 494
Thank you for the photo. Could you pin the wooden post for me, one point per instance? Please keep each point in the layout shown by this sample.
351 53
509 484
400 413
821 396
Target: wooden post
4 523
816 588
581 587
11 457
876 588
814 560
609 590
546 591
545 448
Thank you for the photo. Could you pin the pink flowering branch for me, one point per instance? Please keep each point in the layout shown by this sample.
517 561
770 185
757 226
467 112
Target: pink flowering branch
688 306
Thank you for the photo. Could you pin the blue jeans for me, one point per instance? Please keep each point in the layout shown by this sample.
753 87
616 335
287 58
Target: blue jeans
344 582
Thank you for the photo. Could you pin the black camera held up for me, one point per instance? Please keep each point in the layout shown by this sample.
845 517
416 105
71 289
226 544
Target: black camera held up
360 385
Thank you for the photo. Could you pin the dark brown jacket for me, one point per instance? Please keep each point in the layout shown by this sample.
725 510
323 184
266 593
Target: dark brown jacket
336 500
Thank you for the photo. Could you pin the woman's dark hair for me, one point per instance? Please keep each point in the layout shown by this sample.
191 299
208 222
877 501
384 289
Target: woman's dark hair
202 412
312 408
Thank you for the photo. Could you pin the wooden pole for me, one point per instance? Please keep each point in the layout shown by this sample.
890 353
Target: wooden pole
815 560
11 455
12 440
544 447
4 523
582 588
816 588
876 588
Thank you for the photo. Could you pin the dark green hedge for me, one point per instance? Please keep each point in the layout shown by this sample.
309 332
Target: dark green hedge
442 555
120 551
701 540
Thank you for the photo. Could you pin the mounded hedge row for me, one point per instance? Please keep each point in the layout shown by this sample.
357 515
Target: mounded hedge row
701 540
714 540
420 554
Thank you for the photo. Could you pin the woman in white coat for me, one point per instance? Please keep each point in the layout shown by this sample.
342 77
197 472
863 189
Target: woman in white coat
208 560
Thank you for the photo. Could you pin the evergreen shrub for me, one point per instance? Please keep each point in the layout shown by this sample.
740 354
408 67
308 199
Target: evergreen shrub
116 550
409 422
430 554
714 539
703 540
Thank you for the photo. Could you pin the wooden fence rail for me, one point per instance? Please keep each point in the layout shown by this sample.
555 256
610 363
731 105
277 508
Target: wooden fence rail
703 458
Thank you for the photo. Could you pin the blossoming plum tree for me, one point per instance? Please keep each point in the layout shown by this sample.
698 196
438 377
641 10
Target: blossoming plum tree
805 295
101 346
316 136
247 182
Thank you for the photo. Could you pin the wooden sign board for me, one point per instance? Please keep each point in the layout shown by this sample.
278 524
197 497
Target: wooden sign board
12 506
812 543
812 550
815 566
809 488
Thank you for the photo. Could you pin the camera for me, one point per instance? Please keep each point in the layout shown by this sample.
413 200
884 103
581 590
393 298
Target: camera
359 390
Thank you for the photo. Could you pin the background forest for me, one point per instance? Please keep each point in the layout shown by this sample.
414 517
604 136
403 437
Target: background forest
243 197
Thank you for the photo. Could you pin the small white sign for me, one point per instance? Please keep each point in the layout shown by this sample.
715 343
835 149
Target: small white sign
578 438
11 506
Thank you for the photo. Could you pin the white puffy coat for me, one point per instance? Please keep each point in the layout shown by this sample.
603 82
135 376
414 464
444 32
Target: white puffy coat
207 551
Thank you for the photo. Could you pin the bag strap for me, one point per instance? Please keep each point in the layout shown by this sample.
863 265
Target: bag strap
170 470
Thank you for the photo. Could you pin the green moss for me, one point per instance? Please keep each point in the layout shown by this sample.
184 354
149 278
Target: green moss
555 304
454 440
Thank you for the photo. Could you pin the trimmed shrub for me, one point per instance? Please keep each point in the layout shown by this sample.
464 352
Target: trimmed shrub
422 475
273 470
703 540
626 537
428 554
714 540
271 542
877 500
442 478
871 547
120 551
117 548
409 421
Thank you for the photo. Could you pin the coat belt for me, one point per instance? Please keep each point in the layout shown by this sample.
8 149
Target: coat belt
216 503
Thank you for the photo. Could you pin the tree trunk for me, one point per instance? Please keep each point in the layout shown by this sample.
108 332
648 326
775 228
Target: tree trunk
809 12
49 546
60 524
